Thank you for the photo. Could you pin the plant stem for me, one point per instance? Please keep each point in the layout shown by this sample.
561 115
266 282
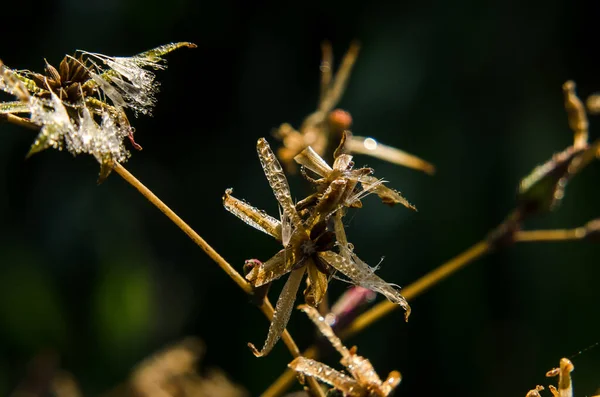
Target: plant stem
524 236
266 306
214 255
417 288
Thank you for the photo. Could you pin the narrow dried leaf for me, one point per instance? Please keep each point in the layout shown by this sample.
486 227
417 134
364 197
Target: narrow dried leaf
388 196
346 384
277 181
361 274
272 269
252 216
311 160
283 310
342 162
55 121
329 202
370 147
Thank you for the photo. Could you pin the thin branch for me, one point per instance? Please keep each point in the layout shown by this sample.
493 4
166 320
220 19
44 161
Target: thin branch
214 255
524 236
417 288
371 147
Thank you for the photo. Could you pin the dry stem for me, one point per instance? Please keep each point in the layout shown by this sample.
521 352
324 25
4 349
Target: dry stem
214 255
524 236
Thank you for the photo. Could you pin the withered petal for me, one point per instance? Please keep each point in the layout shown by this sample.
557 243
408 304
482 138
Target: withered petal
64 69
283 310
271 270
52 72
326 374
277 181
361 274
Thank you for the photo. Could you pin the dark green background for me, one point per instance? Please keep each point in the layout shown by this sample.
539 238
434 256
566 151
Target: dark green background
101 276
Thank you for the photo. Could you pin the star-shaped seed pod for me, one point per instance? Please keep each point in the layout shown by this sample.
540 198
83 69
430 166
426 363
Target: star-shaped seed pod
308 246
81 105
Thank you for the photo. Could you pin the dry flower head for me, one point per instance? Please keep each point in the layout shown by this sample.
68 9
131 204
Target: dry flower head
81 105
305 231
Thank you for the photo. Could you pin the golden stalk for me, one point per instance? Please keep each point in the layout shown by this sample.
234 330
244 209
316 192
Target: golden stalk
524 236
214 255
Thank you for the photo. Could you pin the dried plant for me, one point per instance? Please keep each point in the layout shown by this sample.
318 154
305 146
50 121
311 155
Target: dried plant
540 192
565 385
172 373
323 129
81 105
363 381
304 232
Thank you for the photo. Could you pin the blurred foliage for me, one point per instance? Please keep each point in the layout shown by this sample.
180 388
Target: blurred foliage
100 276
